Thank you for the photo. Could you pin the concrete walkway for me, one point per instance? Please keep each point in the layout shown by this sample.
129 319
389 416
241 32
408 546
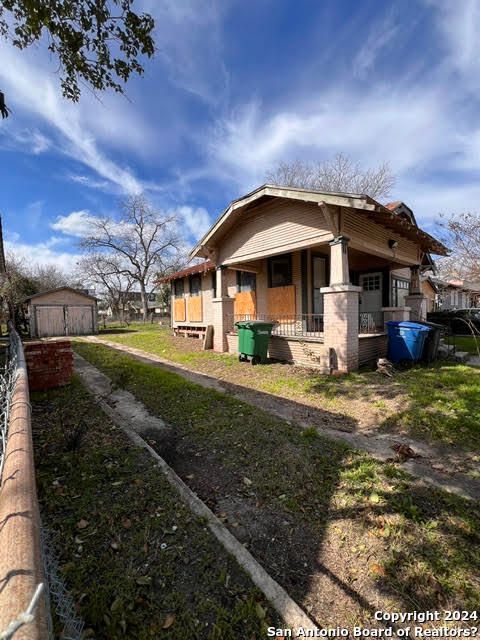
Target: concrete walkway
474 361
430 469
132 416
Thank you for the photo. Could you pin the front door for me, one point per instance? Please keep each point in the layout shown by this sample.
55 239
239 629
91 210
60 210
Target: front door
370 303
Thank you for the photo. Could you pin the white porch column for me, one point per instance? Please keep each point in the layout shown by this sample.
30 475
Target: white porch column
415 299
222 312
340 309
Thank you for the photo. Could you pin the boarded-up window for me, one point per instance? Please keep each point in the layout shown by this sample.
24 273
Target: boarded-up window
179 311
281 303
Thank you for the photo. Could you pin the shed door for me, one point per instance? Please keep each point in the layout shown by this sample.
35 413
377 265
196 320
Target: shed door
79 320
50 321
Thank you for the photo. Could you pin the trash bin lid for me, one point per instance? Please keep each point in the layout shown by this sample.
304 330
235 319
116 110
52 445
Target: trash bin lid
257 324
405 324
433 325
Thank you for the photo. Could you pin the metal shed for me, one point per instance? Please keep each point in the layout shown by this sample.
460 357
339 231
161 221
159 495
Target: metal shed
62 312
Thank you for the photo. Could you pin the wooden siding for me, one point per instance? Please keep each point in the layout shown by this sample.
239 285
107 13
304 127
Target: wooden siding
275 227
49 321
370 237
63 296
179 314
370 348
245 304
281 301
194 309
79 320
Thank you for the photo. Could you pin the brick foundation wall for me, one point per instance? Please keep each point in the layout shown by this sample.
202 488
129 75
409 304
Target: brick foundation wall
49 364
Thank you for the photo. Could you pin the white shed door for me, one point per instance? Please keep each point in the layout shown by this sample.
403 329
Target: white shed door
79 320
50 321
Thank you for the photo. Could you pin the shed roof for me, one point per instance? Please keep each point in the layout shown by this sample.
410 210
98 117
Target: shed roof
202 267
42 293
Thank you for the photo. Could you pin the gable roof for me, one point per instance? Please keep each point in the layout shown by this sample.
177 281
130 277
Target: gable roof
361 202
42 293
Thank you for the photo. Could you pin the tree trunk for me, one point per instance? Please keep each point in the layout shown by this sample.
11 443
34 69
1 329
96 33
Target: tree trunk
143 293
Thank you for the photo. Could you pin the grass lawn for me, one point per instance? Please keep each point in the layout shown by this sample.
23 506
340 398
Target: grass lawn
438 404
465 343
345 534
137 562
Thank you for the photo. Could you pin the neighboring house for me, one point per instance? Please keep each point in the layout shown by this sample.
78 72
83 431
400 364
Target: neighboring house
328 268
62 312
457 294
132 303
430 291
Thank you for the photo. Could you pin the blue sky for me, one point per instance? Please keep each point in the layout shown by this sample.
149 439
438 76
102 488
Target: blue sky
236 87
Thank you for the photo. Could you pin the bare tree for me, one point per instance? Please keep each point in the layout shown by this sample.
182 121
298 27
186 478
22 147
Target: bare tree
105 272
340 174
145 242
49 276
461 233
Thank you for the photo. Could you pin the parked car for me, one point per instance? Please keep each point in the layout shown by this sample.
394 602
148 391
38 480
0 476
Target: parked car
457 320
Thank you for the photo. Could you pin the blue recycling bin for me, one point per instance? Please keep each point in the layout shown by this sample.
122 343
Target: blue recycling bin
406 340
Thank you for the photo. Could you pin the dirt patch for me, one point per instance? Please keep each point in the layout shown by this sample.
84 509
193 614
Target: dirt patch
307 561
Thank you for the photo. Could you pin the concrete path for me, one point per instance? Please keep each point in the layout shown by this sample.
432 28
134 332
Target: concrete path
431 468
474 361
132 416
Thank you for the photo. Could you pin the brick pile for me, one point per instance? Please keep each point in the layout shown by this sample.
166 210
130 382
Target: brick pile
49 364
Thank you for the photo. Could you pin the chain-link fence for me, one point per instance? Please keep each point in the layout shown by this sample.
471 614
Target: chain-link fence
30 583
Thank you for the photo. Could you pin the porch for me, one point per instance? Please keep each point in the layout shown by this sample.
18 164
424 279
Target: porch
345 296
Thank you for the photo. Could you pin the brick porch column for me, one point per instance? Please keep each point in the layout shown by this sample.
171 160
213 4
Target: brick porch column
415 299
340 309
222 312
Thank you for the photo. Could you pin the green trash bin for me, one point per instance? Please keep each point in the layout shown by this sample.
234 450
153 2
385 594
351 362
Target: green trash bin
253 337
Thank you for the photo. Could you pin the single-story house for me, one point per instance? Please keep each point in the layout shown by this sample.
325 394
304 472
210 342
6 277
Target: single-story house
328 268
455 293
62 312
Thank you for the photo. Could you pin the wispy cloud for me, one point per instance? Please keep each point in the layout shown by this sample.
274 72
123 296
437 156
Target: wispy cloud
381 35
458 24
191 46
35 92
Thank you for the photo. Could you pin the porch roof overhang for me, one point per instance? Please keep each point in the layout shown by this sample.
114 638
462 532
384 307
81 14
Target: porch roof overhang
361 203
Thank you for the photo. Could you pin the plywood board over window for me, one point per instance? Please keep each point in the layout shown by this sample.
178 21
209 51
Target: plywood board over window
194 306
281 303
245 304
179 310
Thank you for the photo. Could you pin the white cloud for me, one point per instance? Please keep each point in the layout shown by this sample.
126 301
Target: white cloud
36 92
42 253
196 220
373 127
76 223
